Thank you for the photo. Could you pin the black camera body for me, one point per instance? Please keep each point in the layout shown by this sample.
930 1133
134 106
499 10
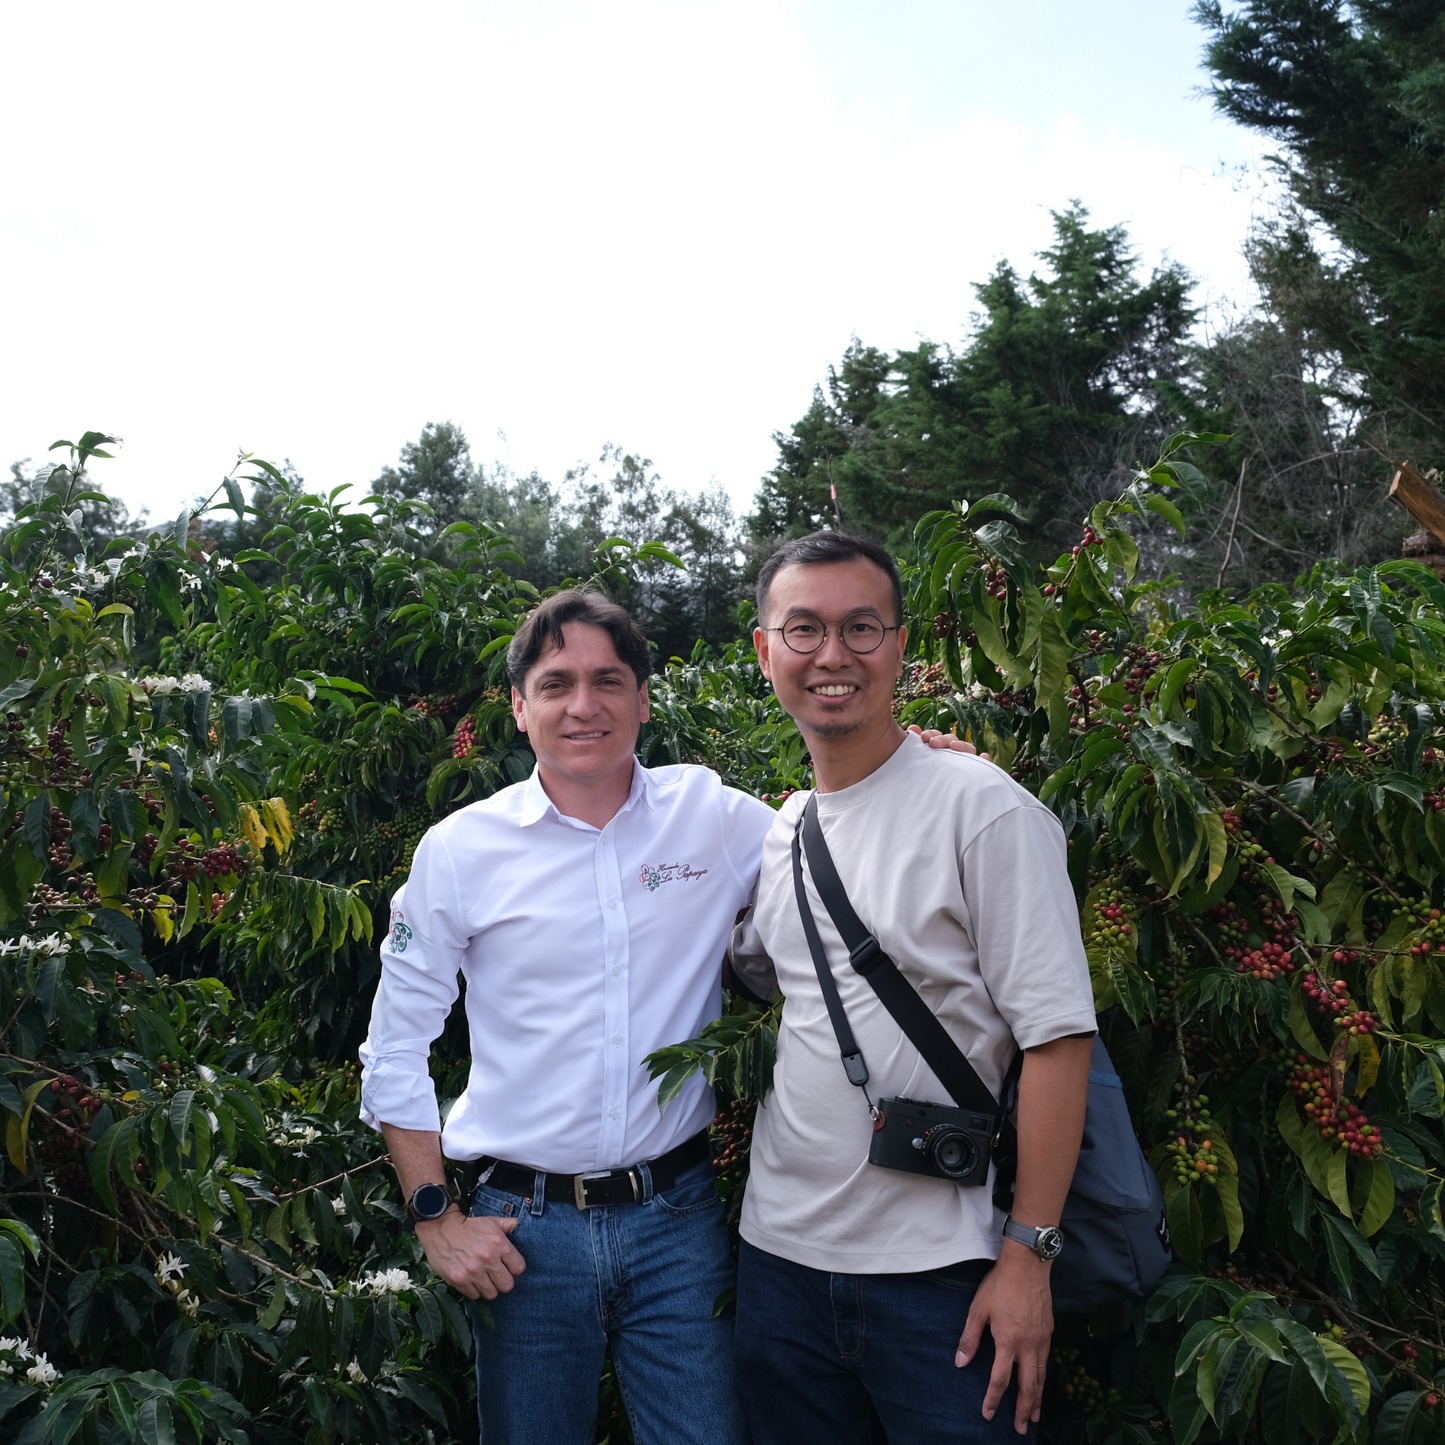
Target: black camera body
933 1139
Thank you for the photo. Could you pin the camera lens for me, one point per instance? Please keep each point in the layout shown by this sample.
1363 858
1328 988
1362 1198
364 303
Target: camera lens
950 1152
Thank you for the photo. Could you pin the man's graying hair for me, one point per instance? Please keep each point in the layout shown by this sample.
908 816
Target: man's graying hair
822 547
543 630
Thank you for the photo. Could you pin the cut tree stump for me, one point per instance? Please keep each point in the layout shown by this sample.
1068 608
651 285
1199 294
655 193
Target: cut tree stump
1427 506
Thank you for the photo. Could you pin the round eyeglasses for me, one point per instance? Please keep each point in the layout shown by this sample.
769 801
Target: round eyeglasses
861 633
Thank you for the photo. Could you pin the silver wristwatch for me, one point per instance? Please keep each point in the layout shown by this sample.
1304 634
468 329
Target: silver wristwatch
1047 1243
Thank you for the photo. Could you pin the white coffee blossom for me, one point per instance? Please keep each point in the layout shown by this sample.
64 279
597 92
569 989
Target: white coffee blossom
42 1372
386 1281
39 947
188 1304
304 1135
170 1270
189 584
193 682
355 1374
161 685
12 1349
338 1206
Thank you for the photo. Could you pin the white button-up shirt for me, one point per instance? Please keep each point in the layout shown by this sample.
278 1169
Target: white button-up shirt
583 949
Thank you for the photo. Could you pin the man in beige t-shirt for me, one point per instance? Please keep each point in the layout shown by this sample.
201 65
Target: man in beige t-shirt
866 1290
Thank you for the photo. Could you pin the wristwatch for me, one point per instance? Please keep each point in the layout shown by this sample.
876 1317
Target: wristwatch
1047 1243
429 1201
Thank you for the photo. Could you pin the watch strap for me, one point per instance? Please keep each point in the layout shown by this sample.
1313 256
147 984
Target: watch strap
1026 1236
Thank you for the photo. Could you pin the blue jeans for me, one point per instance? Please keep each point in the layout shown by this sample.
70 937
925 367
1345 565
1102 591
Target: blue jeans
826 1358
640 1278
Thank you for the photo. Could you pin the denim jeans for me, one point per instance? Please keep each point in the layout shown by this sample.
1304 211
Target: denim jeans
638 1278
826 1358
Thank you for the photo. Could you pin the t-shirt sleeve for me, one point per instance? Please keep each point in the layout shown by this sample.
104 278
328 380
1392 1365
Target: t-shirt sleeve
1026 927
421 957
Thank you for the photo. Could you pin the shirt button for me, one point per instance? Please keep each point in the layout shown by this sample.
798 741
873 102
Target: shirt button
615 1112
616 969
616 1038
612 903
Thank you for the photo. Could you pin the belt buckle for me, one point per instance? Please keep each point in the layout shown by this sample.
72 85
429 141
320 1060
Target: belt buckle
579 1186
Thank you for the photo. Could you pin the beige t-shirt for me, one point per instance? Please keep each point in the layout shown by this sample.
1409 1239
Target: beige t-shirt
961 875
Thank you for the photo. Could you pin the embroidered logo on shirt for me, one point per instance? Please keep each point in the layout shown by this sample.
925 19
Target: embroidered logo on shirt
400 933
654 878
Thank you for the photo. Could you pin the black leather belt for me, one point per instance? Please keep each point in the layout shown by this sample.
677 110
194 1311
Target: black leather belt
600 1186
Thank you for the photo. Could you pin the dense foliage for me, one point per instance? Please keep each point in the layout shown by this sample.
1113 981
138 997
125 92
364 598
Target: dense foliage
1064 384
1350 92
1062 372
195 1231
199 1239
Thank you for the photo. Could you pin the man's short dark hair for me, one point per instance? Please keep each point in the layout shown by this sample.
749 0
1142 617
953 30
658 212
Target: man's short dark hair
543 630
820 547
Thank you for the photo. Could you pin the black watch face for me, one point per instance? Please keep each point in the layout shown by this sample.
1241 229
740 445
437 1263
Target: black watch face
430 1202
1051 1244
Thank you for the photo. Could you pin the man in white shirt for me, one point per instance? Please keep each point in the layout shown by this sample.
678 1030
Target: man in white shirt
863 1288
589 909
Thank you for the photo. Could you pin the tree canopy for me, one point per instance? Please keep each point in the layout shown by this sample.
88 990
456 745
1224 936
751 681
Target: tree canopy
1354 94
1060 376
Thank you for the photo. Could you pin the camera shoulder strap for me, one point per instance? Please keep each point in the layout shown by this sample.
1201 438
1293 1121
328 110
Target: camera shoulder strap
853 1062
899 997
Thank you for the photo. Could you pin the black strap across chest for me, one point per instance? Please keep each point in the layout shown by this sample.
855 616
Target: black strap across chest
898 996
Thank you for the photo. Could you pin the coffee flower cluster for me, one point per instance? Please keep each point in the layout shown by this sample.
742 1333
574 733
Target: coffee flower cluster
163 686
15 1355
385 1281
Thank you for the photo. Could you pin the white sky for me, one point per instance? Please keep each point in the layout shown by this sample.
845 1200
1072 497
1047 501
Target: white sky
306 229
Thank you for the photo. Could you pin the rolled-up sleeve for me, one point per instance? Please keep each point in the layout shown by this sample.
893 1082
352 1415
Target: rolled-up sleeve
420 960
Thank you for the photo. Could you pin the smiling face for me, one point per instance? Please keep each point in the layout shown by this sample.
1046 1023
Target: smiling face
581 709
834 692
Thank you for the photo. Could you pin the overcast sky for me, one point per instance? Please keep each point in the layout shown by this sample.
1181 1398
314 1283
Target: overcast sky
306 229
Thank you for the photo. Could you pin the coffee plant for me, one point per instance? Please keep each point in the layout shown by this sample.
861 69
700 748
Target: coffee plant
1252 794
211 789
198 1239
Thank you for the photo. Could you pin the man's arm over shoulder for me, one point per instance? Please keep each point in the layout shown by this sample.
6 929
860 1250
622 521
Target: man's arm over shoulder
748 962
420 959
747 822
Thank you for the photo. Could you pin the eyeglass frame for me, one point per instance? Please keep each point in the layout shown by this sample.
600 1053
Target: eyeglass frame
862 612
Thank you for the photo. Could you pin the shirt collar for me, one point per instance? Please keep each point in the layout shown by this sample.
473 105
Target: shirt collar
536 804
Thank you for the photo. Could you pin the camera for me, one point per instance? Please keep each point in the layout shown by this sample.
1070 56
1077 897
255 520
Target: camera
932 1139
